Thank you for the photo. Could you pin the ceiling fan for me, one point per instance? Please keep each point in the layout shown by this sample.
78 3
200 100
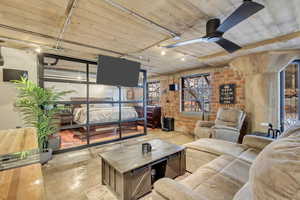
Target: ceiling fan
215 30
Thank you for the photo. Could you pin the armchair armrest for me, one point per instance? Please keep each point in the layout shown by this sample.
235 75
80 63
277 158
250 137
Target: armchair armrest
172 190
257 142
207 124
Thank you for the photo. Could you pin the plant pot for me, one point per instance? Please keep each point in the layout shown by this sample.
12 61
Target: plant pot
45 156
54 142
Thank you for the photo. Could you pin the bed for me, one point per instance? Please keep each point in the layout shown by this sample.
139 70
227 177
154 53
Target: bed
103 113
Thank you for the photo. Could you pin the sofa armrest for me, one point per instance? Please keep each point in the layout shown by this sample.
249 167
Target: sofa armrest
172 190
257 142
207 124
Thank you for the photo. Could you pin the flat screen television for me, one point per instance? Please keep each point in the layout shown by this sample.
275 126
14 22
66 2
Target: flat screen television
117 72
13 74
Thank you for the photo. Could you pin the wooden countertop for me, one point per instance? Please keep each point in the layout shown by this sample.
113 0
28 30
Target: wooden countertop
17 140
22 183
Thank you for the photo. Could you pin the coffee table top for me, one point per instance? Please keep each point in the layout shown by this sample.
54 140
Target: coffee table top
128 158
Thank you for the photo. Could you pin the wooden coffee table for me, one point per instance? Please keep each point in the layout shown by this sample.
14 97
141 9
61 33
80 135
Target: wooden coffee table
130 174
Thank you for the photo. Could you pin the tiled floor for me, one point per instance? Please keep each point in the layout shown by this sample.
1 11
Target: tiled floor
76 175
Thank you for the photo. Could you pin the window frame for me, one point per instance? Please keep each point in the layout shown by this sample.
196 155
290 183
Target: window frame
42 78
182 100
148 93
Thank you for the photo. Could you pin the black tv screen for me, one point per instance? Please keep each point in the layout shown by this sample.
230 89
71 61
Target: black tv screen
13 74
117 72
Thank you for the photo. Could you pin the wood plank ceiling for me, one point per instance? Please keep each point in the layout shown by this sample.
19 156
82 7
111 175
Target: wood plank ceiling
87 28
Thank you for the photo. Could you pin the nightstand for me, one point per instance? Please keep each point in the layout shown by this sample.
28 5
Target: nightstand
66 118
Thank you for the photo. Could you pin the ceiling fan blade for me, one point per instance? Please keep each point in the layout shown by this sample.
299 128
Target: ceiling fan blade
247 9
186 42
228 45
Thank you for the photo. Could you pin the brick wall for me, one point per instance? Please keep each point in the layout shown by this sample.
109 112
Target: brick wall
170 100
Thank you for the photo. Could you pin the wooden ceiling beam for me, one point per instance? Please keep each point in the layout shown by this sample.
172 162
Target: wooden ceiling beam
44 36
67 20
142 18
283 38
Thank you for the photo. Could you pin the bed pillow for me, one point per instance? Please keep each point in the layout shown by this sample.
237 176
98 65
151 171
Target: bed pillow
107 105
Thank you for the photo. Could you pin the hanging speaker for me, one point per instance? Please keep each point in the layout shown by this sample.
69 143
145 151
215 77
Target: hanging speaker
173 87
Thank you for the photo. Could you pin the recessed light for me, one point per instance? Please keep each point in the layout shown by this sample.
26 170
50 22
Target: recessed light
163 53
183 59
38 50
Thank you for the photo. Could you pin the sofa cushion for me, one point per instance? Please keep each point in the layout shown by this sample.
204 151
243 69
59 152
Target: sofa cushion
249 155
196 159
229 115
227 124
219 179
275 174
257 142
217 147
244 193
171 189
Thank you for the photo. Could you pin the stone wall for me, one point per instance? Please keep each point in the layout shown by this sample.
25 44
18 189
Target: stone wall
170 100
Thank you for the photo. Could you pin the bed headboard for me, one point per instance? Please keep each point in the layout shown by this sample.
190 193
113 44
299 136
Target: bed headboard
91 100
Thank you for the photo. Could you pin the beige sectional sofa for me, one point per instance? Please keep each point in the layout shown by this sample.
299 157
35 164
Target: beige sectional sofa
258 169
203 151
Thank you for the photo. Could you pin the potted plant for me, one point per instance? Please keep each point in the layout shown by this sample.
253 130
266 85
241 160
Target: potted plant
38 108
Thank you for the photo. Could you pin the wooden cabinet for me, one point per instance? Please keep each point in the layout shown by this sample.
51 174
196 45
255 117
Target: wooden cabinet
136 183
140 182
130 174
127 186
173 166
153 116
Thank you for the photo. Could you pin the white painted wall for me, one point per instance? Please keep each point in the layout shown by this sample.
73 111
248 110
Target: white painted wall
96 91
14 59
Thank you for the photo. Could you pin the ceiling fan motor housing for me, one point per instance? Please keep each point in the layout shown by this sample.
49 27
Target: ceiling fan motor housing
211 28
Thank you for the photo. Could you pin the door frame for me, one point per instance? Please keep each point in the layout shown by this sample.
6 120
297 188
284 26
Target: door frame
282 93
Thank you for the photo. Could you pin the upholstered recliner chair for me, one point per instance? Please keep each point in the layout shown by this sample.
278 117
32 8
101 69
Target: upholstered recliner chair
227 125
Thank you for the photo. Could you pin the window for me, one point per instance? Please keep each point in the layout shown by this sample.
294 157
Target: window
195 93
92 113
289 93
153 93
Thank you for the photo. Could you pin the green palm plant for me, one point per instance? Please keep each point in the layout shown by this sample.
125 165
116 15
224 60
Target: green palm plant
38 108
